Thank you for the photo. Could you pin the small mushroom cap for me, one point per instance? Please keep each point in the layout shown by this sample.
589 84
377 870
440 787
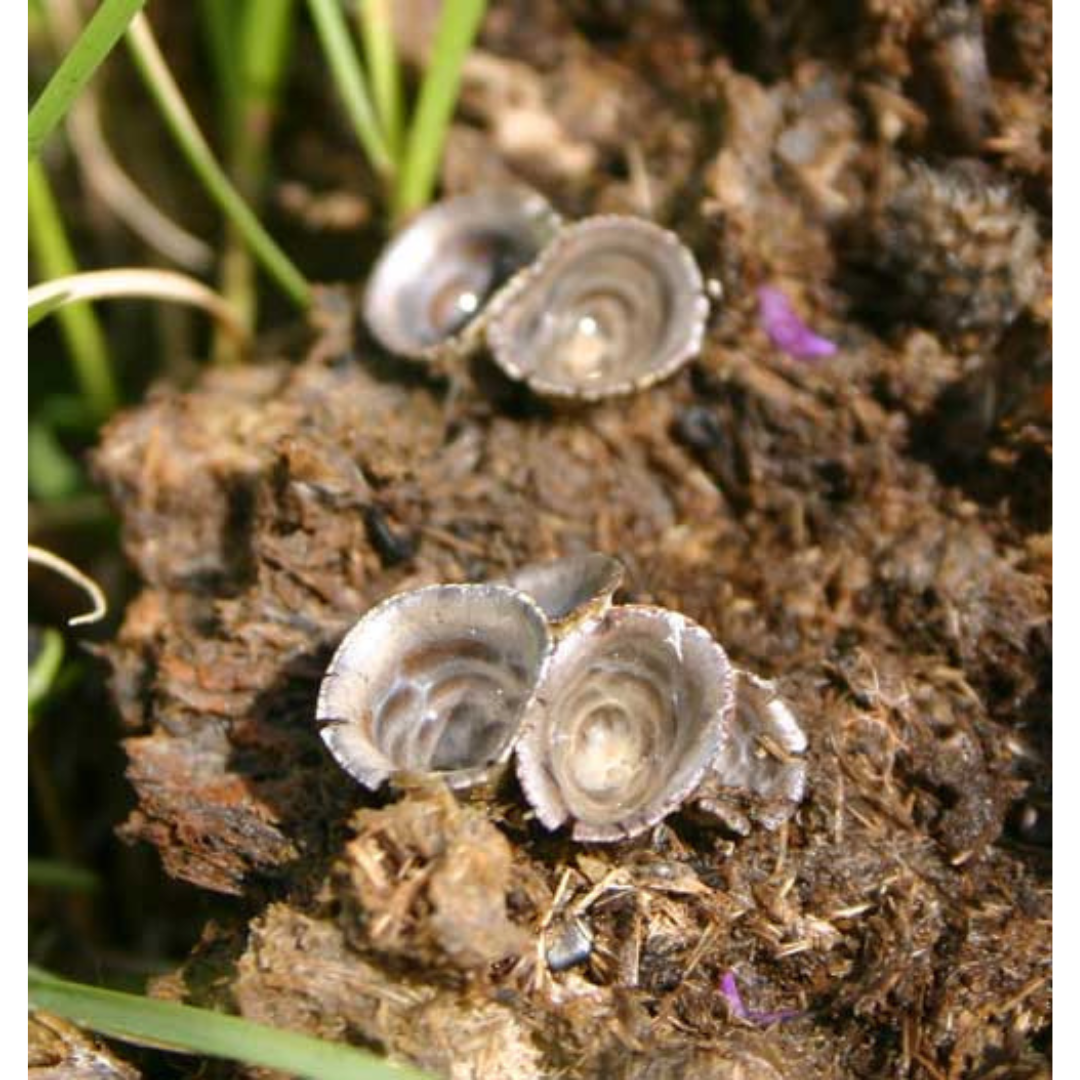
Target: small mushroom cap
632 711
613 305
435 681
571 588
427 294
762 758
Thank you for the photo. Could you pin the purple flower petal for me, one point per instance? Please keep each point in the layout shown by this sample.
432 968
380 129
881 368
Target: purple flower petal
786 330
730 989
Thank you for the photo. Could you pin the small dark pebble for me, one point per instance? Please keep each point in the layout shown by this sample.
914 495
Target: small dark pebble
393 547
1031 823
698 428
569 942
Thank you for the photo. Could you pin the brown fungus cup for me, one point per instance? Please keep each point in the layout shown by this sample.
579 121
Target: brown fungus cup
632 711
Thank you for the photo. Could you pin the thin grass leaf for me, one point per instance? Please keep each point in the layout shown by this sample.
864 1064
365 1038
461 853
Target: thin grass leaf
220 25
106 179
135 282
458 24
51 473
102 174
44 306
46 666
265 37
182 1028
95 43
66 412
155 72
51 561
333 31
35 19
54 874
82 334
380 54
83 511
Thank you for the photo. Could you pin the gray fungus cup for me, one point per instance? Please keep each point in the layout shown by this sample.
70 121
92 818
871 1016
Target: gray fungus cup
760 775
613 305
434 681
633 709
571 589
618 714
430 292
604 306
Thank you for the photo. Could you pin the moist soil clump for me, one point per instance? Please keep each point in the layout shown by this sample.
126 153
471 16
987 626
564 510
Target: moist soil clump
869 529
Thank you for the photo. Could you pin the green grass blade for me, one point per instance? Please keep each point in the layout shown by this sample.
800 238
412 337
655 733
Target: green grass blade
35 19
45 306
220 24
155 72
183 1028
333 31
458 24
266 35
78 324
380 54
264 42
45 668
50 472
54 874
95 43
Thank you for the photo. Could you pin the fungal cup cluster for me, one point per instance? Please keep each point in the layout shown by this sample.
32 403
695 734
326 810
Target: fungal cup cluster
616 714
586 310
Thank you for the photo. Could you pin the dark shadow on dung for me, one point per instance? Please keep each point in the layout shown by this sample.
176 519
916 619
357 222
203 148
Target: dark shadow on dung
277 752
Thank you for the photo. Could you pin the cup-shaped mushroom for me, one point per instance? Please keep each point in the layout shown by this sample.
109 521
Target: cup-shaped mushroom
760 770
632 711
571 589
434 681
613 305
428 293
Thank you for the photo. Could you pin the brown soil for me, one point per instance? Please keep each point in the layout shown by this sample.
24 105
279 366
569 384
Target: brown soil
872 530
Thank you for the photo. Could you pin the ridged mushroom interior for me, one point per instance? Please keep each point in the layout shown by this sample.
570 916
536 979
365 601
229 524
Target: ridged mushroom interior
567 589
613 305
632 711
434 681
435 278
